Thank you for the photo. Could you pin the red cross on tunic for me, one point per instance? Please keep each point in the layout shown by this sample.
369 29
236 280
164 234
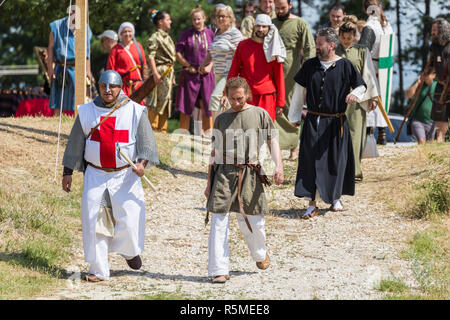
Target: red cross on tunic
107 135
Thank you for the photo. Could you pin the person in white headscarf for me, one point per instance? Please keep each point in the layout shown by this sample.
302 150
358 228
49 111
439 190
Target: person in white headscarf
128 58
259 60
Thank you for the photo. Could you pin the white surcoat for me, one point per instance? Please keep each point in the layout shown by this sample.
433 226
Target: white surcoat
124 186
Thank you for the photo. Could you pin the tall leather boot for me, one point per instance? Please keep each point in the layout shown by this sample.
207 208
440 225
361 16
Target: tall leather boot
381 136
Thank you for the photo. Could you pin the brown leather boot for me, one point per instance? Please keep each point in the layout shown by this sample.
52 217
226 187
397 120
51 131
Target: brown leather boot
135 263
381 136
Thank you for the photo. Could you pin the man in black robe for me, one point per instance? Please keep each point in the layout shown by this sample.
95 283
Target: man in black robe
326 163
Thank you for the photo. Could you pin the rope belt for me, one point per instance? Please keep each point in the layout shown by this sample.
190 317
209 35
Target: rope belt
109 169
336 115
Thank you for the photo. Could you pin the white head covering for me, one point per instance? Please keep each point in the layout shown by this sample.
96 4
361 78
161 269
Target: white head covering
125 25
374 9
109 34
273 45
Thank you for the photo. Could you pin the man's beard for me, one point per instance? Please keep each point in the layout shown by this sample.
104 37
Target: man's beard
284 17
437 40
260 35
323 54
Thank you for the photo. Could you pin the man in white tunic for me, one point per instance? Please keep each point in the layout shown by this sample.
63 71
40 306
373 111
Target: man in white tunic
112 205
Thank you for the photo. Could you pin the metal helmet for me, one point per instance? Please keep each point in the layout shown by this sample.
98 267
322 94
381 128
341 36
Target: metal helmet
110 77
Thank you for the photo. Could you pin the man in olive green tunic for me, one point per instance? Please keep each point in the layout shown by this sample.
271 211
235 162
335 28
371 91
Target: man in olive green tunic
248 23
360 57
234 178
299 43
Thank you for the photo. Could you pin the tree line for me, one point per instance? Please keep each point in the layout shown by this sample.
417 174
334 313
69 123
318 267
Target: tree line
25 24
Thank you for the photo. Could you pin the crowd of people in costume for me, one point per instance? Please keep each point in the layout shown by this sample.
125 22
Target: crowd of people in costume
269 73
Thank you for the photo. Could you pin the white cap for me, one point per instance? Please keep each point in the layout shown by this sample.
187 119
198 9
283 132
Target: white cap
109 34
263 20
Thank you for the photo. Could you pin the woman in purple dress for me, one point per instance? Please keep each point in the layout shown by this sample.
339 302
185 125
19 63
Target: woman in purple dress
195 87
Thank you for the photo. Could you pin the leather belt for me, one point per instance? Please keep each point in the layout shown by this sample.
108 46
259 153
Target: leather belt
264 180
109 169
336 115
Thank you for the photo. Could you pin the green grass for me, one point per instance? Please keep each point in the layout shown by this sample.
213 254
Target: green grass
36 235
163 295
432 196
172 125
428 250
392 286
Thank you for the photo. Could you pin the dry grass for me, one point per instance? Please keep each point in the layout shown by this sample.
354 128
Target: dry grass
39 223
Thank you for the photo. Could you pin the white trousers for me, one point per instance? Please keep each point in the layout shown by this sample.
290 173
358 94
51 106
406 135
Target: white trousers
101 265
218 249
128 207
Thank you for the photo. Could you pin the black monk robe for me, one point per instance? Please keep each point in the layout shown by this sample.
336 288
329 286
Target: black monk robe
326 159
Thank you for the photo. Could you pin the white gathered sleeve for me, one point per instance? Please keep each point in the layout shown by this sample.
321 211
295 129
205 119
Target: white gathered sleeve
297 102
359 92
370 78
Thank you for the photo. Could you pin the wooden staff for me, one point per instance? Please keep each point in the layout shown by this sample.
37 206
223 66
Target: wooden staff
385 116
143 91
411 106
131 163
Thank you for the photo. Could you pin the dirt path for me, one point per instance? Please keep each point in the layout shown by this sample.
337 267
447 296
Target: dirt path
333 256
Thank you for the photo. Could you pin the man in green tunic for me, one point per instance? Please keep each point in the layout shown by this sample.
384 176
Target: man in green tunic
299 43
235 178
360 57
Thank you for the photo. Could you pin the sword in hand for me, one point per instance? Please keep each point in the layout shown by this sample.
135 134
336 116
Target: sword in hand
121 155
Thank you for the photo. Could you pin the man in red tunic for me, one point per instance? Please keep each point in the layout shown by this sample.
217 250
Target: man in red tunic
259 60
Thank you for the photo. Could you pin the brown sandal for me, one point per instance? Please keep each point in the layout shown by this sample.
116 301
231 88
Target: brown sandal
264 264
92 278
221 279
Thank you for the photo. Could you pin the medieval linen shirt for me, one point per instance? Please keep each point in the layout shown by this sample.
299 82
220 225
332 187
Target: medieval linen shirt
245 131
299 43
326 160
